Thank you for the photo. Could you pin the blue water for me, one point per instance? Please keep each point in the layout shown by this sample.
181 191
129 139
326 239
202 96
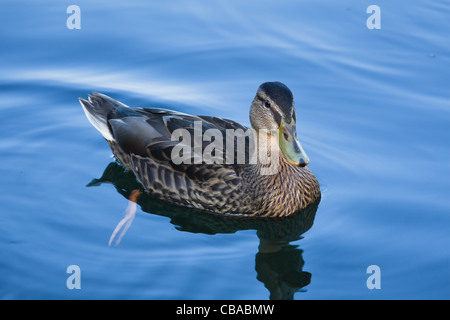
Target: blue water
373 115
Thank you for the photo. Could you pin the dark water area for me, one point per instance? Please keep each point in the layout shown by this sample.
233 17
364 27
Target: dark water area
373 109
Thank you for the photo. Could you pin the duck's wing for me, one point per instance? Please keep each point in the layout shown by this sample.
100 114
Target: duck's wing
154 132
196 181
147 138
206 139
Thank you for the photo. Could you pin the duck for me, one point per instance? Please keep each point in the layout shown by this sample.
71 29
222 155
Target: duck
177 157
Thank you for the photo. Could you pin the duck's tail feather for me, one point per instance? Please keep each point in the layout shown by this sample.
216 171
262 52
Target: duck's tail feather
97 107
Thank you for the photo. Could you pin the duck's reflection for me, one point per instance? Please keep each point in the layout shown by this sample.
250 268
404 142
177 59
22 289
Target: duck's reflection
278 264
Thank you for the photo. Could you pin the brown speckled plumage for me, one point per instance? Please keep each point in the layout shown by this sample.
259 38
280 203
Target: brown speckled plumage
140 140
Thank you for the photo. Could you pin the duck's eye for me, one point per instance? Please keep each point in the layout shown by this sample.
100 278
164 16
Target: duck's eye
267 104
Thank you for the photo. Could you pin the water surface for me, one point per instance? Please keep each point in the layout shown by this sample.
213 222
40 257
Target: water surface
373 112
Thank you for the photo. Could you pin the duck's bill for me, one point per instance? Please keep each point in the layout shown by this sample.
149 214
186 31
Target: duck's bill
290 146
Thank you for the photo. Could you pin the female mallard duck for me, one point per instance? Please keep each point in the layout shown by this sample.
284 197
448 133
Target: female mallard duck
142 141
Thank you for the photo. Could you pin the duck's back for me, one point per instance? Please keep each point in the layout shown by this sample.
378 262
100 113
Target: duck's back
141 140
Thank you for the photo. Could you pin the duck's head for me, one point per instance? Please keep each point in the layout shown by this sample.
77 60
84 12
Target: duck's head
273 110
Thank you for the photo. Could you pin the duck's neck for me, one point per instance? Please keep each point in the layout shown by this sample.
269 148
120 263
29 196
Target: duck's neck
268 154
279 187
